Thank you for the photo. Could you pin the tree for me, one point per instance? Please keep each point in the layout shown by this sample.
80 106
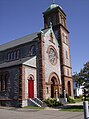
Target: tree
82 78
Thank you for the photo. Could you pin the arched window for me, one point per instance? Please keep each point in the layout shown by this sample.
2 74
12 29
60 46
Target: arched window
9 56
12 55
32 50
3 81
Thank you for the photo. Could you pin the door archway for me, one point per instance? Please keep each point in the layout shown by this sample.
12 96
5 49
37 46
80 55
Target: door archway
55 85
31 87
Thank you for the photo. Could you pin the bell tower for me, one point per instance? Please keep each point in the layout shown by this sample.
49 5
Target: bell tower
57 17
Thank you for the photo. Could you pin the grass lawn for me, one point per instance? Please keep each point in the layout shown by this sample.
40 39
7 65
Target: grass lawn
78 100
81 100
33 107
73 109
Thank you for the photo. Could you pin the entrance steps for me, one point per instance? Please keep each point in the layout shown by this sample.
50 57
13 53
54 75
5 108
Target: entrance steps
35 102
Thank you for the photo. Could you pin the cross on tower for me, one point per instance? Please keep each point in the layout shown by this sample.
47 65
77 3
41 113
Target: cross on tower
53 1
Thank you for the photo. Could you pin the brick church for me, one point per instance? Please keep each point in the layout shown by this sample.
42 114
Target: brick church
37 65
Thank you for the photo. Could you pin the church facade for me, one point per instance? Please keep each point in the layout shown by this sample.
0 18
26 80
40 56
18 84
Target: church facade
37 65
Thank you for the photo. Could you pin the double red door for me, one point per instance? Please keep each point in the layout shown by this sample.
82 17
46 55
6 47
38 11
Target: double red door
31 88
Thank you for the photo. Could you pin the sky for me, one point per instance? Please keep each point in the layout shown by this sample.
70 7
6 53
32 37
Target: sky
22 17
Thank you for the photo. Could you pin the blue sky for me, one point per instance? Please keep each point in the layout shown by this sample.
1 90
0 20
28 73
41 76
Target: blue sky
21 17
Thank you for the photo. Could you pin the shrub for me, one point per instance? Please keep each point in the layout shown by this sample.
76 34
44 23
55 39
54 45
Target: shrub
70 99
51 102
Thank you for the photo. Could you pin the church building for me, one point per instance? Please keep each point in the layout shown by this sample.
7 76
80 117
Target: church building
37 66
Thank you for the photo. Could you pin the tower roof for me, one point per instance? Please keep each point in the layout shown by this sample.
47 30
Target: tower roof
53 6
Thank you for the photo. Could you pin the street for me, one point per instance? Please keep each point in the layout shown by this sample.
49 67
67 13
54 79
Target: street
38 114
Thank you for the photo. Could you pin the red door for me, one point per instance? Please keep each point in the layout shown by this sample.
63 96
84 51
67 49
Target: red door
31 88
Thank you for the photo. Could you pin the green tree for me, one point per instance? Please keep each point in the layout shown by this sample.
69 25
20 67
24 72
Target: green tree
83 75
82 78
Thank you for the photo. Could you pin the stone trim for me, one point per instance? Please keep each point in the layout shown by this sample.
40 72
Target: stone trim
57 82
48 49
53 74
66 79
41 78
23 82
31 75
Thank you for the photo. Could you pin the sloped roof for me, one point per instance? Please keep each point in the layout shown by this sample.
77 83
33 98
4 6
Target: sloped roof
19 41
14 63
22 40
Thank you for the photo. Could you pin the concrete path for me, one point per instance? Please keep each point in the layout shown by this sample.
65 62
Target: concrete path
12 113
77 103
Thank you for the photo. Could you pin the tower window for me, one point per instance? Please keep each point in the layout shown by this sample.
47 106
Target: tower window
66 55
54 20
47 91
67 72
49 20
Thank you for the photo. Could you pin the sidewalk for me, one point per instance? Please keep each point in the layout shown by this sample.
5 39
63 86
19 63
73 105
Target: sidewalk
76 104
46 108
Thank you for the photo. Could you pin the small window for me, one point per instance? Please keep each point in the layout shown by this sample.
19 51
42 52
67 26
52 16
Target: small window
2 82
51 37
63 36
67 72
9 56
6 81
49 20
12 56
63 23
17 54
66 55
47 90
32 50
60 19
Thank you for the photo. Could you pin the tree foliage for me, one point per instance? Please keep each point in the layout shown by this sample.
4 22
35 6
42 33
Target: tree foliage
82 77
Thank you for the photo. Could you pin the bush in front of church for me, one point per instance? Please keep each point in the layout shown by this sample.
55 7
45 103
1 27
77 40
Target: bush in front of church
70 99
51 102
